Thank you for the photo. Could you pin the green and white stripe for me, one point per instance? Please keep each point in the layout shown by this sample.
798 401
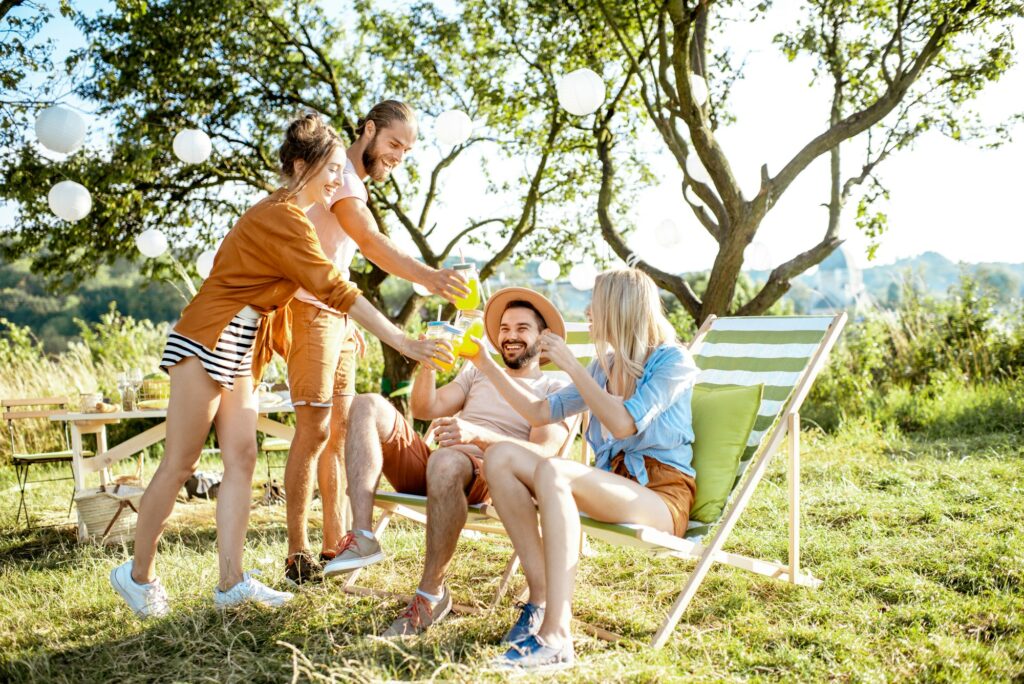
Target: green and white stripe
774 351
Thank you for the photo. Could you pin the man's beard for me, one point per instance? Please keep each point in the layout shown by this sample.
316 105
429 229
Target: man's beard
528 354
375 167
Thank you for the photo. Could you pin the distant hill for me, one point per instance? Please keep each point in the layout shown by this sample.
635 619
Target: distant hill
937 275
931 272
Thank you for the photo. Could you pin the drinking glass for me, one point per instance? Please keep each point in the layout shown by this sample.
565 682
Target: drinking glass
124 387
135 379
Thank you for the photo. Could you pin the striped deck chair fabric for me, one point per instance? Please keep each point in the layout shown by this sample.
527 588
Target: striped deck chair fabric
774 351
785 354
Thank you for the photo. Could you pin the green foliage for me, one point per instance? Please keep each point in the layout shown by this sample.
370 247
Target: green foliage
890 365
22 55
114 344
26 299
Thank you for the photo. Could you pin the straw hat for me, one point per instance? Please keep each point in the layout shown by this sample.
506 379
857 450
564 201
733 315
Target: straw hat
499 301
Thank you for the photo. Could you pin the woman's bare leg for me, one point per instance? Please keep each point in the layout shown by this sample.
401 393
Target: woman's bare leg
194 401
508 469
563 489
236 435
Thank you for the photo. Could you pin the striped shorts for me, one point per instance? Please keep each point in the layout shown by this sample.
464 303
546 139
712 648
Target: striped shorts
230 359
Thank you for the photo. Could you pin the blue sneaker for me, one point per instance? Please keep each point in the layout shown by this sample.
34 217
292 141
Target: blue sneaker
530 617
535 656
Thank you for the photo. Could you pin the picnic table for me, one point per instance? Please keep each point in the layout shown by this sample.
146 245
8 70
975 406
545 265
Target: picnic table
81 424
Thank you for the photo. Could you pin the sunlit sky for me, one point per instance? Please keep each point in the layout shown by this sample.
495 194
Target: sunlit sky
957 199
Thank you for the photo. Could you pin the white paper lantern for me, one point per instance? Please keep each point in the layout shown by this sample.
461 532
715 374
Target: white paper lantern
60 129
669 233
758 257
581 92
453 127
699 88
192 146
420 290
152 243
69 200
549 270
582 276
204 264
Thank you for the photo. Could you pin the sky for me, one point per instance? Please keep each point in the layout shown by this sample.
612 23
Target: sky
958 199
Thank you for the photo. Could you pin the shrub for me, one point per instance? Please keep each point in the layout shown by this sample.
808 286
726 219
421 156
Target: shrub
907 365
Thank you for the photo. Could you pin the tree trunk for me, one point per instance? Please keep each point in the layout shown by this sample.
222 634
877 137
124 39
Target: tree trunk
717 298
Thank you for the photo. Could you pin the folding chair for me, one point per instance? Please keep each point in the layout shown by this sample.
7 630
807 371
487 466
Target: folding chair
482 517
39 409
785 354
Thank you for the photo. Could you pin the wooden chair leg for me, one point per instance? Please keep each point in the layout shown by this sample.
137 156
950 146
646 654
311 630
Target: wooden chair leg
21 471
506 578
794 497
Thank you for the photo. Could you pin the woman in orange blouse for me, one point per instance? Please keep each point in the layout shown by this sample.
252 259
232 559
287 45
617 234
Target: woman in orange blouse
216 353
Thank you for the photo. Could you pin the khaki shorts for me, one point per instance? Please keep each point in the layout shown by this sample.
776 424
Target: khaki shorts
405 464
675 488
322 358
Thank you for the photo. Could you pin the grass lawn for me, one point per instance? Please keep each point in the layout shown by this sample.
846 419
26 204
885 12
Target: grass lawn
917 541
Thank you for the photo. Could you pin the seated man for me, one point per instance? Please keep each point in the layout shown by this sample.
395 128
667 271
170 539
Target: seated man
470 417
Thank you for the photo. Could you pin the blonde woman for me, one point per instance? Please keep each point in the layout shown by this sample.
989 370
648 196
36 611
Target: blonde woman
218 348
638 391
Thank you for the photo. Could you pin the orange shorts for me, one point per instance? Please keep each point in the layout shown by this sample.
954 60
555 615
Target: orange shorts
322 358
674 487
405 464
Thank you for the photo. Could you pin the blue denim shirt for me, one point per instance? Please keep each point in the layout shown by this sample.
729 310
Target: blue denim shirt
660 407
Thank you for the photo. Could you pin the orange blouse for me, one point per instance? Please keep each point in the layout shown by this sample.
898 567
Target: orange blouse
269 253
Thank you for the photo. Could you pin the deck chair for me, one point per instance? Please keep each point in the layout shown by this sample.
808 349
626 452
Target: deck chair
482 517
785 354
38 409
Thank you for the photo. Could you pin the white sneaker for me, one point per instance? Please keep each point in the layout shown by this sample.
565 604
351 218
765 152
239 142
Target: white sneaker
145 600
250 589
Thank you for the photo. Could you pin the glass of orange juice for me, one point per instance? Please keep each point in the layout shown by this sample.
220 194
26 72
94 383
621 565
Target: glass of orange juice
440 330
470 324
471 300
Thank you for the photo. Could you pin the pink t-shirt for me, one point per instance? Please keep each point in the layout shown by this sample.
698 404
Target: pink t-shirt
484 405
336 243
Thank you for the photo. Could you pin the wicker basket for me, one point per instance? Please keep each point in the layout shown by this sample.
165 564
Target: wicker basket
109 513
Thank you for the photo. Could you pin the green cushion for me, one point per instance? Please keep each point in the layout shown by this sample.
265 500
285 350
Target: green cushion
722 420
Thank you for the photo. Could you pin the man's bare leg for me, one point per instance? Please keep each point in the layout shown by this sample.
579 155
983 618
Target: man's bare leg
371 421
312 427
449 472
331 475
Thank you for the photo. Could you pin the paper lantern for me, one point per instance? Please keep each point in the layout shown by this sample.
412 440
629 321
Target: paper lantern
453 127
60 129
420 290
204 264
152 243
668 233
549 270
192 146
758 257
699 88
582 276
581 92
69 200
